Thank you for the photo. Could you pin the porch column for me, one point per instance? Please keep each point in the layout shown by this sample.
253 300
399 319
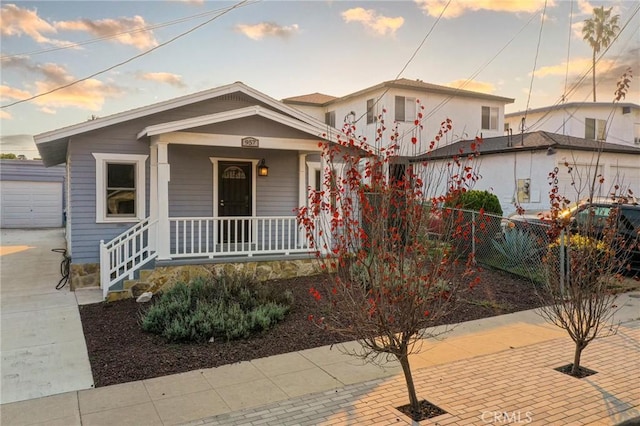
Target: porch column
302 195
325 217
164 242
153 195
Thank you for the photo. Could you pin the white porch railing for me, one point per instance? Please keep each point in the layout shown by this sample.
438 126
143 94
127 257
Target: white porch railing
229 236
125 254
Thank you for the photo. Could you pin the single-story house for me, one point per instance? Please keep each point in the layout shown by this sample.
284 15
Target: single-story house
212 176
516 168
31 195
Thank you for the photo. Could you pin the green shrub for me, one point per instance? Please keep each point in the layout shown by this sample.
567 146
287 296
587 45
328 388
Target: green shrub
225 306
476 200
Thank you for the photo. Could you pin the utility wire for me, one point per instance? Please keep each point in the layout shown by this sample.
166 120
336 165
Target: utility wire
415 52
566 71
479 70
535 64
446 100
224 11
577 84
114 35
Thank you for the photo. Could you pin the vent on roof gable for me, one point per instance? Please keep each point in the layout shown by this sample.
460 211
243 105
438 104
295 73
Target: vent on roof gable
236 97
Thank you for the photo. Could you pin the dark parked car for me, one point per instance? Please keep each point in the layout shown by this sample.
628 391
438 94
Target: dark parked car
594 215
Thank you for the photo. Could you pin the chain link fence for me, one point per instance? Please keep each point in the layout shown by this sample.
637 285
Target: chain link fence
514 246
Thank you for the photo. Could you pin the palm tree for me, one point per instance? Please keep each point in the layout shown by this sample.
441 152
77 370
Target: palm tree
598 31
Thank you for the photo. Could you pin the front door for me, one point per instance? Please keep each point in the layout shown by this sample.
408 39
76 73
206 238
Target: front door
234 180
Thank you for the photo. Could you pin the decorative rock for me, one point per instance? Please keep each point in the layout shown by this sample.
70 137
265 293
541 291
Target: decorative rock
144 297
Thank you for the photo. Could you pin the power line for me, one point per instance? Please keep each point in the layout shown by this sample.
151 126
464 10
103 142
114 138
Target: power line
588 71
224 11
114 35
566 72
411 58
479 70
535 63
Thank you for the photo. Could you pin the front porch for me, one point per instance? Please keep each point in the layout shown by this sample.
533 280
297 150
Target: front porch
210 195
202 241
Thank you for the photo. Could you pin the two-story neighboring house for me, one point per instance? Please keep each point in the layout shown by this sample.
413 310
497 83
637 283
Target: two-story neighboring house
400 101
603 121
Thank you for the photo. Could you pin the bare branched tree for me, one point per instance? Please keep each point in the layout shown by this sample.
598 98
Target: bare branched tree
393 268
592 239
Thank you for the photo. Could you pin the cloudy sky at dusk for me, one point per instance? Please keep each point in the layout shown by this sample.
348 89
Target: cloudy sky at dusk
127 55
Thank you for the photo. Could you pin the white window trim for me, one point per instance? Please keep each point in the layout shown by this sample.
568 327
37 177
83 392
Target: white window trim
497 116
101 189
409 104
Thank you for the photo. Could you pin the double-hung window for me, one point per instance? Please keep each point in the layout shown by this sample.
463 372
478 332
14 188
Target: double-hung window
405 109
489 118
594 129
330 118
120 187
371 115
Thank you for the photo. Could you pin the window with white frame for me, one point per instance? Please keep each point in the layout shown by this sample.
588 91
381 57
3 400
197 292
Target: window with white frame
594 129
371 115
330 118
405 109
489 118
120 187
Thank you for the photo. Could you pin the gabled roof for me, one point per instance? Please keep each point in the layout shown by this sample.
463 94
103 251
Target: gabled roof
533 141
52 145
421 86
573 105
317 99
235 114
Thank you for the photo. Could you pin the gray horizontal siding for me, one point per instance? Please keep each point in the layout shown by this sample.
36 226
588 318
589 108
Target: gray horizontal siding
253 126
30 170
85 232
191 185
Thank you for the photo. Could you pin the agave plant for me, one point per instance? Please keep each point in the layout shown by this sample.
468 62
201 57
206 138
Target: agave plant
517 246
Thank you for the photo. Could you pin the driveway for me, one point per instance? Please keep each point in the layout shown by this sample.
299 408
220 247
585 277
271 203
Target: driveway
41 341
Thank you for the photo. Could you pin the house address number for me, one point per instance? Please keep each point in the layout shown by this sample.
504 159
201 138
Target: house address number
250 142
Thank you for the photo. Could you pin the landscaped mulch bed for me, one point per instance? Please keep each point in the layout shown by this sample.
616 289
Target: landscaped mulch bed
119 351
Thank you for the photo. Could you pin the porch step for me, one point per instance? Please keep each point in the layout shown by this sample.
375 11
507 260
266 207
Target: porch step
114 296
132 289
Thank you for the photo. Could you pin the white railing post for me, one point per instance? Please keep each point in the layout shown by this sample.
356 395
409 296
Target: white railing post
105 265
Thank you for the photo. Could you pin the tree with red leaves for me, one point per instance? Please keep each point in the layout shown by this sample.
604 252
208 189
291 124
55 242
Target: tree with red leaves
392 254
592 239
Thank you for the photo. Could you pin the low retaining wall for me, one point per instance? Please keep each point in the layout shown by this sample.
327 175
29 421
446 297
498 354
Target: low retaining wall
88 274
164 277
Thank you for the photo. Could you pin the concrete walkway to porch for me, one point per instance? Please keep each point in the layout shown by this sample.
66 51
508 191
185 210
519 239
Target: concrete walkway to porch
481 369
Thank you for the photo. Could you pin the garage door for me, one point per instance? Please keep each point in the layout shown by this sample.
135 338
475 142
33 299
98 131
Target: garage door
30 204
627 177
576 185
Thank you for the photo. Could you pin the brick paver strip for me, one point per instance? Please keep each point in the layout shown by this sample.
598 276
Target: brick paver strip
487 385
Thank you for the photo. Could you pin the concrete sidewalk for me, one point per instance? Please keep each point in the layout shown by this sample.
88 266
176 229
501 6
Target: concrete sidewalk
42 346
481 369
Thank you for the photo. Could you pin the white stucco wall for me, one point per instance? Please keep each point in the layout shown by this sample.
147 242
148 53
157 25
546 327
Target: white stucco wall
500 174
466 113
570 120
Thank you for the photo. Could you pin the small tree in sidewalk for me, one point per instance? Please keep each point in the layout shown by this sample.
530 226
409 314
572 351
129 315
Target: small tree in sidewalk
591 243
388 276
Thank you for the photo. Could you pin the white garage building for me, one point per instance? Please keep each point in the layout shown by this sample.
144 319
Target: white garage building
31 195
